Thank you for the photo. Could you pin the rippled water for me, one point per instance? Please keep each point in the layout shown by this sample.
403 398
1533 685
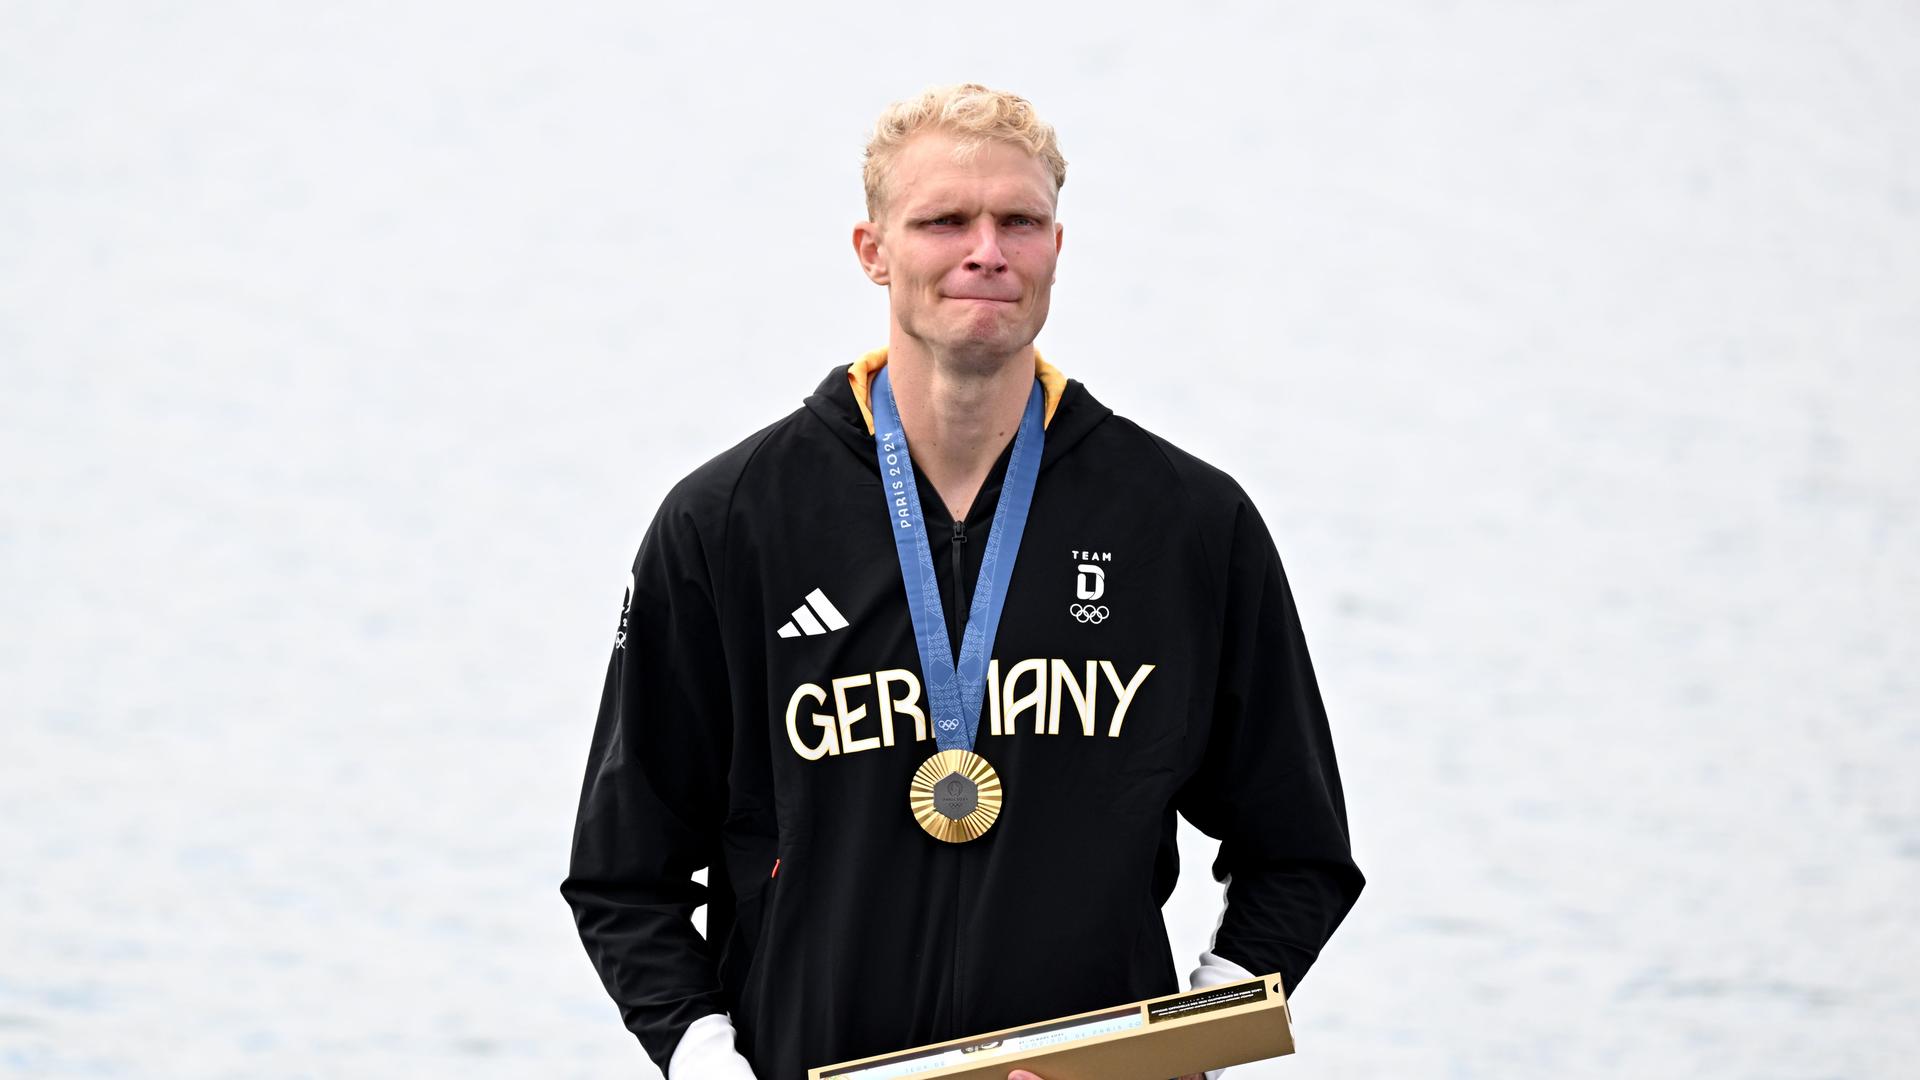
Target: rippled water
1569 357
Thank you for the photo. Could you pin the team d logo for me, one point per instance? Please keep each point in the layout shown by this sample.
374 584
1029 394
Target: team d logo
1090 584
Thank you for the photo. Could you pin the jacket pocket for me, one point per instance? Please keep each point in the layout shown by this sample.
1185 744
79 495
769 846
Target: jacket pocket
742 942
754 917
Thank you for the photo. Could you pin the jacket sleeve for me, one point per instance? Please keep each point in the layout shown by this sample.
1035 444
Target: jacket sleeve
1267 786
655 795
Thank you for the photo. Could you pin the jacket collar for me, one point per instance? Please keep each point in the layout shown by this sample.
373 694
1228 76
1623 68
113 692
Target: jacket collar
841 402
860 375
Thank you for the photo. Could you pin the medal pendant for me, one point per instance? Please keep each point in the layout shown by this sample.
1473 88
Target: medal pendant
955 796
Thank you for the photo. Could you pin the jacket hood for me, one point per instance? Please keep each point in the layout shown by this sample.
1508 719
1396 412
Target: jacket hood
840 403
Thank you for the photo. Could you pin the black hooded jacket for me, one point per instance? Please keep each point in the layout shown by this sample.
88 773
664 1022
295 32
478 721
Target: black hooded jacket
763 715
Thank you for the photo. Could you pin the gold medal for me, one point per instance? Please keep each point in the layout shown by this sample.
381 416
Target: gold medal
955 796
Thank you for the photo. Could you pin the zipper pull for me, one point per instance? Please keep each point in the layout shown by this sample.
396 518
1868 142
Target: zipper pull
959 532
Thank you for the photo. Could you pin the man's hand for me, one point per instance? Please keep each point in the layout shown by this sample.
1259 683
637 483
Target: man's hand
1022 1074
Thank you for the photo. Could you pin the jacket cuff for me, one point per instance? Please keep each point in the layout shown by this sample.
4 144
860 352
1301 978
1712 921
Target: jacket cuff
706 1052
1215 970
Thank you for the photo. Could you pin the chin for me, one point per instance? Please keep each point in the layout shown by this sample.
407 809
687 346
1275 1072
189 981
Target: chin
985 354
978 345
994 331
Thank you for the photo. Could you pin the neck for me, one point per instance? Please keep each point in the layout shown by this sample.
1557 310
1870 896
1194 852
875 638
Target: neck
959 414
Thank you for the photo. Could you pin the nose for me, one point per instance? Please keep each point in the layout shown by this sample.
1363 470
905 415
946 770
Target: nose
986 258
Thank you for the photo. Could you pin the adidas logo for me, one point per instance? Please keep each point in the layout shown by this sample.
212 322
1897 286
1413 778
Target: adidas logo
804 617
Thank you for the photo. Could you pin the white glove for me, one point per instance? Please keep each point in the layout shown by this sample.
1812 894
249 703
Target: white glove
706 1052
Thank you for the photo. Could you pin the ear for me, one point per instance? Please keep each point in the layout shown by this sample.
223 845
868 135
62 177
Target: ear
866 247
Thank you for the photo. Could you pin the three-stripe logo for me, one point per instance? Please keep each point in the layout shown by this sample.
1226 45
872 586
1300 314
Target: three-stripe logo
815 617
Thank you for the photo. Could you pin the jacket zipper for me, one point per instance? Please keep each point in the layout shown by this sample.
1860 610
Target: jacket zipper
960 603
957 619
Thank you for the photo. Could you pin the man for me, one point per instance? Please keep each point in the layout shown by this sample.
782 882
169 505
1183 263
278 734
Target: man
923 673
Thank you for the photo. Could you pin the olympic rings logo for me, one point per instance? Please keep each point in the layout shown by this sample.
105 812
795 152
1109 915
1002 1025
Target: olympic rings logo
1089 613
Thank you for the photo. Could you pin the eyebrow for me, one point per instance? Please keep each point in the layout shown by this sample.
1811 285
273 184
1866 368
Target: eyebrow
938 210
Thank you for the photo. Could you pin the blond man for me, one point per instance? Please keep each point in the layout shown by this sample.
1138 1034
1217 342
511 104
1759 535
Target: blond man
924 674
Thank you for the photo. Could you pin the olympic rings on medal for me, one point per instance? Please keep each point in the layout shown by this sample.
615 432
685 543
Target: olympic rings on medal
1089 613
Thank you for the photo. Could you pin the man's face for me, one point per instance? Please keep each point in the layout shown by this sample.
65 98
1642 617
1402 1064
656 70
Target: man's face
967 250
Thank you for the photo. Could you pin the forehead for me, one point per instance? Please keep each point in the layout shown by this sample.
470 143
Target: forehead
936 167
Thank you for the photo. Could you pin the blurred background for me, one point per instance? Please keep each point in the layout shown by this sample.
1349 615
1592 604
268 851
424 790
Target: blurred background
1569 351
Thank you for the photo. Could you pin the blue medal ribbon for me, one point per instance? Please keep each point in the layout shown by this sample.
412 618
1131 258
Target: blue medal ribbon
954 694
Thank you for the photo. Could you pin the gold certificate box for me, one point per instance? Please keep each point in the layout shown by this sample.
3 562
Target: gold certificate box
1157 1039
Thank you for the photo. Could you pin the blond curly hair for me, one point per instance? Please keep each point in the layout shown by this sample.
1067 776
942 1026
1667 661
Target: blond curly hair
975 115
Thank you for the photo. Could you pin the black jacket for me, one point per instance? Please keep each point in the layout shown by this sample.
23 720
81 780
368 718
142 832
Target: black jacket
737 733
